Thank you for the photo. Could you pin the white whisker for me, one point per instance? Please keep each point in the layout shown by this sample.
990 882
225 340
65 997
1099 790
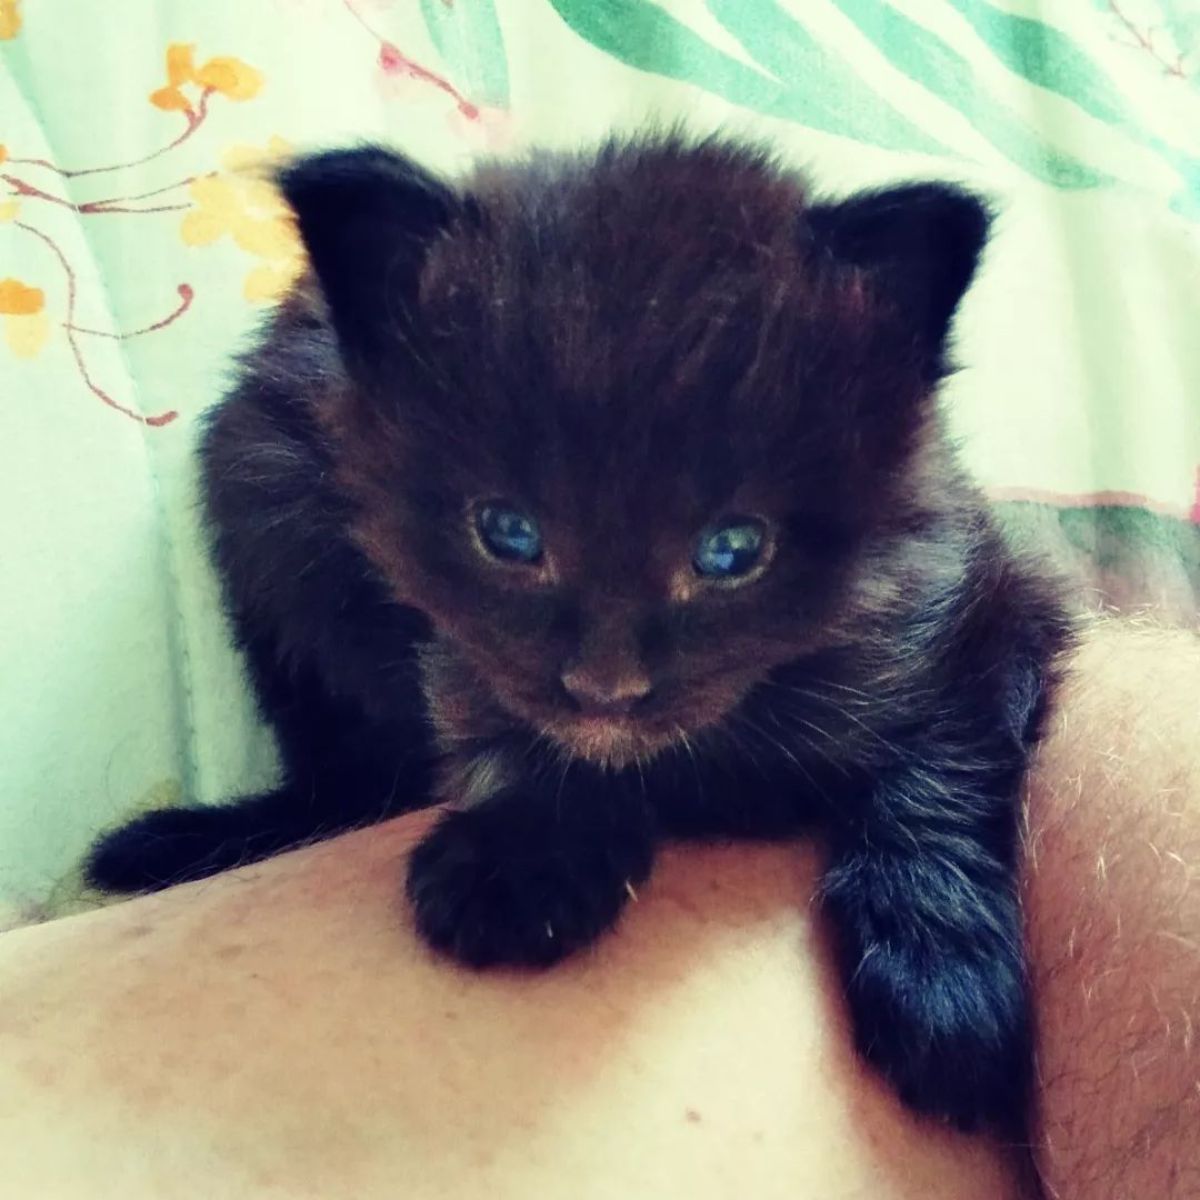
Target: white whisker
779 746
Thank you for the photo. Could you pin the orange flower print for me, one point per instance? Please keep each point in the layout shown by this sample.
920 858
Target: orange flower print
180 70
23 312
240 204
10 19
229 77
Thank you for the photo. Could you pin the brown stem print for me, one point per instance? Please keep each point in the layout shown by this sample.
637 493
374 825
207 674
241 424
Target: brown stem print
186 295
69 325
393 62
114 204
107 205
194 119
28 191
101 208
1144 40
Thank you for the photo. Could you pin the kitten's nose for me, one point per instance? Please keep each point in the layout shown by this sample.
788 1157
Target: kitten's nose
594 694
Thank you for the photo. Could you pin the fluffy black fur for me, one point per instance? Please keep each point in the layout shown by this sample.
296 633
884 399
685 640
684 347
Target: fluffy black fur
631 344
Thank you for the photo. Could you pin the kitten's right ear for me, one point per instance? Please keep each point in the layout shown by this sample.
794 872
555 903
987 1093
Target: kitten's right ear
367 217
919 242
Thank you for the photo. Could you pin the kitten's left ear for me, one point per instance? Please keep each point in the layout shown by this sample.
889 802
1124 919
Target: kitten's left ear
367 217
921 242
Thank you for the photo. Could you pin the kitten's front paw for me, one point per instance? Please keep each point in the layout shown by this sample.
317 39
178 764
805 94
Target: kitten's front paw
493 892
949 1030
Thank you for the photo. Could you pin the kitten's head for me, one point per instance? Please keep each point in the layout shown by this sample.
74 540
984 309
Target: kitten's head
622 425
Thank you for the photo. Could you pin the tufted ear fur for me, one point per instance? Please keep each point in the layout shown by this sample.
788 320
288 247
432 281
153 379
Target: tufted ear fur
367 217
920 242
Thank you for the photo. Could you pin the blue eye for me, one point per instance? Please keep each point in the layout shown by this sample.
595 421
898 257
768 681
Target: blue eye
730 551
508 534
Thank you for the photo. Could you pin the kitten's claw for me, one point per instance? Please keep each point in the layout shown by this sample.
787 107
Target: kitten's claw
489 900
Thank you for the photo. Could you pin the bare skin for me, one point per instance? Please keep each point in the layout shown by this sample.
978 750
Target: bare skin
279 1032
1113 903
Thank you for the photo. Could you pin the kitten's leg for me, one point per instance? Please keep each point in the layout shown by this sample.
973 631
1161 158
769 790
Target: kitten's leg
536 868
341 771
922 894
172 845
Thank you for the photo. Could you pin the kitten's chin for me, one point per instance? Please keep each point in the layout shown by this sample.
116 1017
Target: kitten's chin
610 742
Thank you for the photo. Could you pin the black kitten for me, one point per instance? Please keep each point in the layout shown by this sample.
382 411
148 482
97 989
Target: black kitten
606 498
